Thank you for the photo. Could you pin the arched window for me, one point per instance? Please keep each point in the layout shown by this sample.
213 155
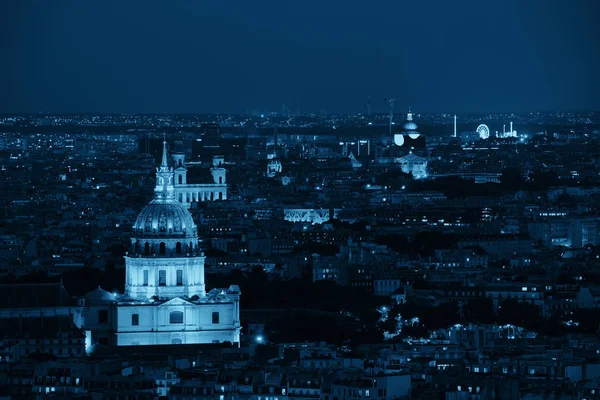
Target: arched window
176 341
180 163
176 317
180 179
162 248
215 317
146 249
178 248
220 179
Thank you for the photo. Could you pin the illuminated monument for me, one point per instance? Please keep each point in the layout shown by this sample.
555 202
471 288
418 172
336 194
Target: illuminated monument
186 193
165 300
408 142
274 166
410 138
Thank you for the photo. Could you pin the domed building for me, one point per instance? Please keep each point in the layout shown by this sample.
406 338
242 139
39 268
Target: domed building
165 299
410 139
411 149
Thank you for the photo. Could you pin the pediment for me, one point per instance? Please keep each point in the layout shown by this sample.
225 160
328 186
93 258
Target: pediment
177 301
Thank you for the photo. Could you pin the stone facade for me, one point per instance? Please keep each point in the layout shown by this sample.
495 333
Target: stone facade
165 300
187 193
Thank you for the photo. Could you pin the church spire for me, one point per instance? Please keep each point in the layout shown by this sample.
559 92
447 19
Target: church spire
164 155
164 189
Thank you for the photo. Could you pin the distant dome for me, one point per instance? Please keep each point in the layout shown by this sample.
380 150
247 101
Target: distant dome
410 126
164 218
99 296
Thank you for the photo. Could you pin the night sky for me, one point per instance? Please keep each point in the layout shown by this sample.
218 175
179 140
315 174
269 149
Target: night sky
233 56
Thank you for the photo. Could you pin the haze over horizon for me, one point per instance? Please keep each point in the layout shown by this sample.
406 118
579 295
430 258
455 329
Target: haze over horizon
210 57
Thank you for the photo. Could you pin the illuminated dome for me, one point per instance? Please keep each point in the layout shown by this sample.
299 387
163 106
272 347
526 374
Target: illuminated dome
164 218
409 125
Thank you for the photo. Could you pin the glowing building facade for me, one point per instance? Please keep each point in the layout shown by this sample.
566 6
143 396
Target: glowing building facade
410 139
407 143
187 193
274 166
165 299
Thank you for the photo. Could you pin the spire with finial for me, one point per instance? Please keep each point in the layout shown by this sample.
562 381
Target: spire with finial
164 155
409 115
164 177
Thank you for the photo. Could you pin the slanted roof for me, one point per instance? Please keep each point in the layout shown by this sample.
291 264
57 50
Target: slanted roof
99 296
411 158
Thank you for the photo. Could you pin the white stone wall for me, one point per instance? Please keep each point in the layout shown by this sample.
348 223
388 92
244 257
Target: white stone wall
219 175
192 283
180 176
187 194
197 327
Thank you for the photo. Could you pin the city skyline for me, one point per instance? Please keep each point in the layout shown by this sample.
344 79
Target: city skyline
212 58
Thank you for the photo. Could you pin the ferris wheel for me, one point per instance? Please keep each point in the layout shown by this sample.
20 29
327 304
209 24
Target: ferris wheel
483 131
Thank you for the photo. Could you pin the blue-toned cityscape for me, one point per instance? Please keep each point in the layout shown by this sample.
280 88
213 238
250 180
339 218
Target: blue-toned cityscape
300 200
